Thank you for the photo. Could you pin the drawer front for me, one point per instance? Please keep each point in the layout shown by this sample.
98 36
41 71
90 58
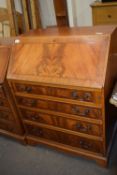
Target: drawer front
106 14
3 103
6 115
79 95
67 139
60 107
7 127
2 93
62 122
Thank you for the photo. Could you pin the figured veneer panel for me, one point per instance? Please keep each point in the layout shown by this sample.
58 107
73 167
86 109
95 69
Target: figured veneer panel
62 122
52 63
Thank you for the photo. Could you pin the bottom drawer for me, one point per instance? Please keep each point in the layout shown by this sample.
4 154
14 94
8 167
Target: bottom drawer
4 103
64 138
7 126
6 115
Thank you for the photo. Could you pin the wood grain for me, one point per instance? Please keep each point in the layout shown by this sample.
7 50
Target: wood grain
4 59
49 73
52 63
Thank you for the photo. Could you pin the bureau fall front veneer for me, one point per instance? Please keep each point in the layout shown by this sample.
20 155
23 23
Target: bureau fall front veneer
10 124
61 80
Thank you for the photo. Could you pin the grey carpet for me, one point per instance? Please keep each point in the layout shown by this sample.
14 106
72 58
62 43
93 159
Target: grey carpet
17 159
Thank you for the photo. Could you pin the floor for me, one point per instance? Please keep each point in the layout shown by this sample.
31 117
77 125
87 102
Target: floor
17 159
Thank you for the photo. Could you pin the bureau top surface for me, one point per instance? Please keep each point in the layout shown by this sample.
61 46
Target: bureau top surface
69 32
76 57
4 59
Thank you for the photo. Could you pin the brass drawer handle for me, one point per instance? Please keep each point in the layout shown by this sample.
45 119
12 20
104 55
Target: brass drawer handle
25 89
28 89
84 145
87 96
86 112
76 110
35 117
74 95
33 103
82 128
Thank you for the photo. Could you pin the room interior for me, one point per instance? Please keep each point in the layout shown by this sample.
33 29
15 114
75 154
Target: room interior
58 87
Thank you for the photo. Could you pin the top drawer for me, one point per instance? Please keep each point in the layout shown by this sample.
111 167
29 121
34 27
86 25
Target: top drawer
73 94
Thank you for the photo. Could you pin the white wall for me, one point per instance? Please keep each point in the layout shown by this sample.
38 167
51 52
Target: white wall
70 13
82 12
3 3
17 4
47 13
79 12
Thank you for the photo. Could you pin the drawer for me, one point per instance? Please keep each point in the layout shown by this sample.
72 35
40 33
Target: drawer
62 122
60 107
106 14
64 138
77 95
2 93
7 127
3 103
6 115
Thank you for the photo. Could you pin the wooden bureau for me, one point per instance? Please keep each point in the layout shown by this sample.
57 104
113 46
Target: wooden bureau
61 80
9 122
104 13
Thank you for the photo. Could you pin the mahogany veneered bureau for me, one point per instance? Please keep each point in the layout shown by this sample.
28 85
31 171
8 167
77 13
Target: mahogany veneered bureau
61 80
10 124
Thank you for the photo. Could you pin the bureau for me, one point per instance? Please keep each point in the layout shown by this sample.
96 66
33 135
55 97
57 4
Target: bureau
61 79
9 122
104 13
